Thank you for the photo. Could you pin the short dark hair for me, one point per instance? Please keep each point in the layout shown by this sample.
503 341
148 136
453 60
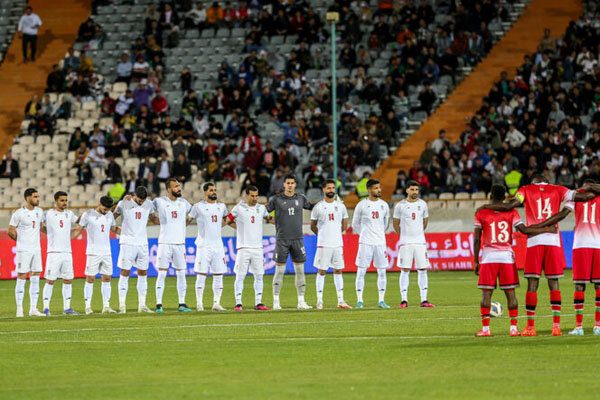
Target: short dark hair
498 192
412 183
539 178
168 182
372 182
107 201
590 181
327 182
141 192
251 189
29 192
290 176
207 185
58 194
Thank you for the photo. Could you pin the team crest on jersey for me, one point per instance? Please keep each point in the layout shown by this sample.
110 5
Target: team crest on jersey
335 208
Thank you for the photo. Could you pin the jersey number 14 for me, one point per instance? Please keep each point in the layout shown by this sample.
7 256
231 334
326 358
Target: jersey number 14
547 209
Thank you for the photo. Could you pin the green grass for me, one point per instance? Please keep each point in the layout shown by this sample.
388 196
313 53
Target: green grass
329 354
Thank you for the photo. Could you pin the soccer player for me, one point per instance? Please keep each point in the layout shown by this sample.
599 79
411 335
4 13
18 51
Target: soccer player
24 228
248 216
135 213
98 223
329 218
370 221
172 211
210 215
544 252
288 208
410 221
498 258
59 260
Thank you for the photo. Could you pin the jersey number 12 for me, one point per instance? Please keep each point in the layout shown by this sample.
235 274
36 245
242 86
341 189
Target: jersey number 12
291 211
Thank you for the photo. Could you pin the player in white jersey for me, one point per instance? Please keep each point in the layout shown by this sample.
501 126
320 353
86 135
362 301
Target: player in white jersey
98 223
370 221
172 214
210 216
24 228
410 221
247 217
59 260
328 219
134 212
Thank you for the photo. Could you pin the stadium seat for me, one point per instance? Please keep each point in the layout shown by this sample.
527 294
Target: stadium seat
446 196
462 196
436 204
478 195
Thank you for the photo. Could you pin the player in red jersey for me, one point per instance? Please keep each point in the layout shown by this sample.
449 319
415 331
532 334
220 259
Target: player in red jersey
498 258
544 252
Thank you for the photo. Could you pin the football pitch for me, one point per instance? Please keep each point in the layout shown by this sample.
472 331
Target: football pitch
289 354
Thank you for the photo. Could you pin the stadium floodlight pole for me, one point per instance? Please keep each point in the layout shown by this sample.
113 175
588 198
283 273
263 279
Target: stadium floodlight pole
333 18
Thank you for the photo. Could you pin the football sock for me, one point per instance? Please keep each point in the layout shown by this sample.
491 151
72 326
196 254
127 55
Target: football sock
142 288
106 293
300 280
360 283
20 292
217 287
404 280
530 304
278 279
485 318
423 282
200 282
555 302
258 288
338 280
320 282
160 285
88 292
34 291
597 314
123 287
181 285
381 283
239 287
67 290
513 314
578 299
47 294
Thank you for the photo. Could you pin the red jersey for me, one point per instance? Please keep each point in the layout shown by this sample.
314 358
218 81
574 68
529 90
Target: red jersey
497 235
542 201
587 224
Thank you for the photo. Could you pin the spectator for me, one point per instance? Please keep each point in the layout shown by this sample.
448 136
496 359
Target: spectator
163 168
160 106
186 79
28 32
56 80
96 156
71 63
140 68
9 168
113 172
81 155
548 43
182 170
427 97
179 147
76 139
32 107
514 137
196 18
124 69
124 104
214 16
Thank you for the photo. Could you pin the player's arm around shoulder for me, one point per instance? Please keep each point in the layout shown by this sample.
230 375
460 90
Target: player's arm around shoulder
396 216
314 218
80 225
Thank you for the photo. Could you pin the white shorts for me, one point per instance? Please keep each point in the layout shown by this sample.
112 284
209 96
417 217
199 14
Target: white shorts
59 265
173 254
249 259
98 265
130 255
367 253
327 257
212 258
409 252
28 262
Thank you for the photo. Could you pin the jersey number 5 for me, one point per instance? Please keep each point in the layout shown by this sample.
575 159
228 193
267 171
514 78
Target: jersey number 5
61 223
502 235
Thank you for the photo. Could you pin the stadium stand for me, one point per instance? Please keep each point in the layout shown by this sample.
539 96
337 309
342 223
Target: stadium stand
10 12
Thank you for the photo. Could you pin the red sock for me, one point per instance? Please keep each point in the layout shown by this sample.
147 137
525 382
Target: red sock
513 314
578 299
530 304
485 316
597 307
556 304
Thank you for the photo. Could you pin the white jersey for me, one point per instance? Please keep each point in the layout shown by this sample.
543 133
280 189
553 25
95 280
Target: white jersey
98 227
329 217
135 220
411 216
209 217
172 216
28 222
370 221
249 225
58 227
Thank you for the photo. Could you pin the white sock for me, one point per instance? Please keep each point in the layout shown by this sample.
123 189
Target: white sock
106 294
360 283
300 280
47 295
20 292
160 285
217 287
88 292
258 289
123 287
181 285
200 281
338 280
142 288
423 281
34 291
238 287
381 283
404 279
67 291
278 280
485 328
320 283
